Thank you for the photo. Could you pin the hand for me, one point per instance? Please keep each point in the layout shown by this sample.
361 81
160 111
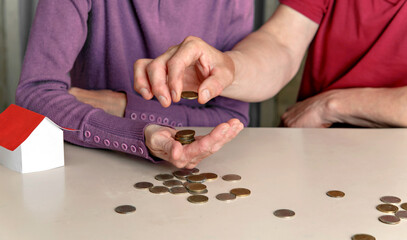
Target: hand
192 65
318 112
111 102
161 143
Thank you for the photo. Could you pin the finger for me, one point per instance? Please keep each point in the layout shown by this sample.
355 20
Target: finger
209 89
141 83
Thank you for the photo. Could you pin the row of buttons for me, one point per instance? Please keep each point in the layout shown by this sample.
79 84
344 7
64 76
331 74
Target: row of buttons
152 118
116 144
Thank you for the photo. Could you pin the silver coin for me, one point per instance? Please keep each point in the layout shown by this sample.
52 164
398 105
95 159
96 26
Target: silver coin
390 199
389 219
178 190
401 214
159 189
227 197
172 183
231 177
125 209
164 177
284 213
143 185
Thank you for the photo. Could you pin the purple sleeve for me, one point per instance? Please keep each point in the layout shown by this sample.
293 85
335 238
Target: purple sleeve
45 80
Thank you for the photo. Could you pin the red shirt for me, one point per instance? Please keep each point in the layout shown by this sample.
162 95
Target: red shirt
359 43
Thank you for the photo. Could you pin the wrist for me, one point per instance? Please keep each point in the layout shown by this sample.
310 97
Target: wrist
334 109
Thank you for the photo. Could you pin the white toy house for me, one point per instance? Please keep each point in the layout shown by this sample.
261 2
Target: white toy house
29 142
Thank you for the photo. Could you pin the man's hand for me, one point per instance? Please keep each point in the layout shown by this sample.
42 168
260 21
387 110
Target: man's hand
161 143
192 65
111 102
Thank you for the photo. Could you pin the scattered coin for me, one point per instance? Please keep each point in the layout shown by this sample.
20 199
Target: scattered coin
401 214
209 176
159 189
240 192
387 208
284 213
196 178
194 170
172 183
404 206
389 219
196 187
164 177
189 95
181 174
125 209
227 197
390 199
198 199
195 193
178 190
231 177
363 237
335 194
185 136
143 185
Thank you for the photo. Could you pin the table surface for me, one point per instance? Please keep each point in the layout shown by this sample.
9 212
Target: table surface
284 168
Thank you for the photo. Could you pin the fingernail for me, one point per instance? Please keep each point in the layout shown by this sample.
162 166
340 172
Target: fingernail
144 92
174 95
162 99
206 95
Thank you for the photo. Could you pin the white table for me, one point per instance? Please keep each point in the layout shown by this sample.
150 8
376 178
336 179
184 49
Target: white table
284 168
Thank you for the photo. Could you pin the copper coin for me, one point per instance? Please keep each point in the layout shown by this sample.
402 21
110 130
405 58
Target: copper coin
199 199
164 177
401 214
209 176
363 237
125 209
181 174
196 178
196 187
387 208
227 197
172 183
390 199
143 185
159 190
284 213
240 192
404 206
231 177
185 134
178 190
189 95
389 219
335 194
195 193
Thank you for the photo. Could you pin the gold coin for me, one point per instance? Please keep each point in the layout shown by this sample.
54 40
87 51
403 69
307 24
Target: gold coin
178 190
196 187
404 206
159 189
240 192
335 194
185 134
387 208
125 209
284 213
389 219
363 237
196 193
227 197
181 174
164 177
209 176
401 214
390 199
198 199
196 178
143 185
172 183
189 95
231 177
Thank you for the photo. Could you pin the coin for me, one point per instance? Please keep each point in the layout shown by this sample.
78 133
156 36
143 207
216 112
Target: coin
143 185
226 197
189 95
284 213
198 199
185 134
124 209
335 194
172 183
401 214
194 170
164 177
178 190
159 189
390 199
240 192
209 176
387 208
363 237
195 193
404 206
181 174
196 178
389 219
196 187
231 177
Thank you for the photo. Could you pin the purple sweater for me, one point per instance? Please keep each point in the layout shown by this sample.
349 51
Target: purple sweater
92 44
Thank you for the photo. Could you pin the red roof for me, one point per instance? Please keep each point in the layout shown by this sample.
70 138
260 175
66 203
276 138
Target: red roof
16 125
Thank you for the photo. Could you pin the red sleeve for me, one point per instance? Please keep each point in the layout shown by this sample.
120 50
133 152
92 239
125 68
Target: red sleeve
312 9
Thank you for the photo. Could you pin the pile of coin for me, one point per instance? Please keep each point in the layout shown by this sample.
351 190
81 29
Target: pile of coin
389 206
185 136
